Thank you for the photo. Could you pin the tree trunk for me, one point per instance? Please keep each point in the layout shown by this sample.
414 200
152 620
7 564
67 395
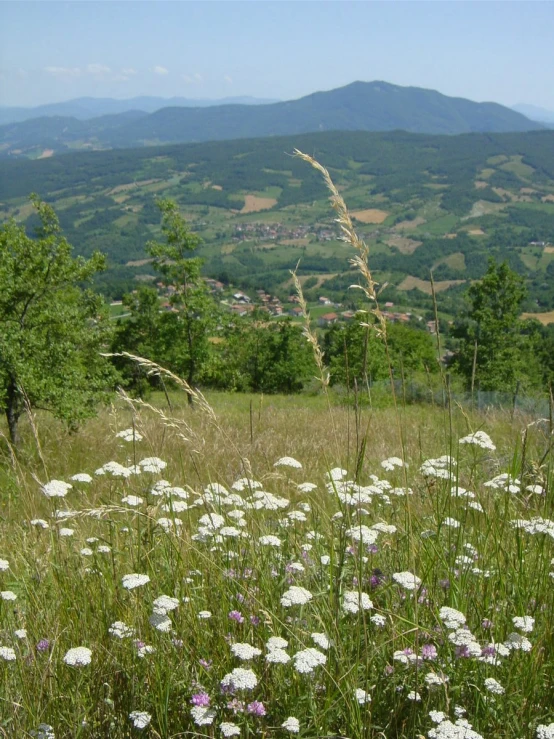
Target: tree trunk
13 412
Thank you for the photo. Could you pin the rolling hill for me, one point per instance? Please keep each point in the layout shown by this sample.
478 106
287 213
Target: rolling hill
423 202
360 106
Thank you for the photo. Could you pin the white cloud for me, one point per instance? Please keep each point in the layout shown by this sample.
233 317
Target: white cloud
63 71
160 70
228 79
198 77
188 79
97 69
128 71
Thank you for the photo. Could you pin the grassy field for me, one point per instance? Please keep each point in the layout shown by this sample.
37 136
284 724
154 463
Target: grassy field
383 599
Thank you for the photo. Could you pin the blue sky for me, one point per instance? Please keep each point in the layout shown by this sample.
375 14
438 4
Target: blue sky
51 51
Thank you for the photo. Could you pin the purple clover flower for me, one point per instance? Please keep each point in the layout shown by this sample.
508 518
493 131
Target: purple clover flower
43 645
200 699
236 616
256 708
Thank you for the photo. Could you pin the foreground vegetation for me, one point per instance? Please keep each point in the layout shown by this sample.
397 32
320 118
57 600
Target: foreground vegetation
215 531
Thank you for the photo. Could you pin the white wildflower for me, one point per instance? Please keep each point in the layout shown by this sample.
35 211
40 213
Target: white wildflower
451 618
203 615
306 487
288 462
448 730
392 462
480 439
66 532
322 640
307 660
493 686
518 642
245 651
161 622
353 601
87 552
325 559
336 474
277 656
240 679
437 716
7 654
132 500
8 595
276 642
407 580
451 522
363 534
152 464
414 696
21 633
270 540
296 596
164 603
129 435
202 715
44 731
40 523
134 580
378 620
121 630
291 724
545 732
81 477
56 489
229 729
524 623
362 696
78 656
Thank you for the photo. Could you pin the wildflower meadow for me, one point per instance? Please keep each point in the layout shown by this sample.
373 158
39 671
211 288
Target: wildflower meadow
279 567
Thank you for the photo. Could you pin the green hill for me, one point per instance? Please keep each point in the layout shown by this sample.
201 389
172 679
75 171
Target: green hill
360 106
422 202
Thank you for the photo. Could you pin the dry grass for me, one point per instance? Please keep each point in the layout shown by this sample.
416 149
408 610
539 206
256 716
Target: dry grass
253 204
410 282
410 225
544 318
403 244
46 154
370 215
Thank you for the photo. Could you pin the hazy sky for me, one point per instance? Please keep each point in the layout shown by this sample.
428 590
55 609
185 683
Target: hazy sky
51 51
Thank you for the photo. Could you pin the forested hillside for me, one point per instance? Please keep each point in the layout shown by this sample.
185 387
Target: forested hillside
423 202
360 106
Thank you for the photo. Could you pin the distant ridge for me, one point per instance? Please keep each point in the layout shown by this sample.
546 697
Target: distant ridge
88 107
360 106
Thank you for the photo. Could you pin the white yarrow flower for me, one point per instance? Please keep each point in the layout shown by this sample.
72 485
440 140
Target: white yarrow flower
240 679
524 623
291 724
129 435
288 462
354 601
229 729
307 660
7 654
322 640
493 686
407 580
78 656
121 630
362 696
245 651
480 439
296 596
56 489
134 580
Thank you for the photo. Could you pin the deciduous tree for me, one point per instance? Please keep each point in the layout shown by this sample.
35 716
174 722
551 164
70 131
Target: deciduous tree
51 329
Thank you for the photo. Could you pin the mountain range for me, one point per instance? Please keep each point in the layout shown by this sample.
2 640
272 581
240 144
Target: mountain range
360 106
85 108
